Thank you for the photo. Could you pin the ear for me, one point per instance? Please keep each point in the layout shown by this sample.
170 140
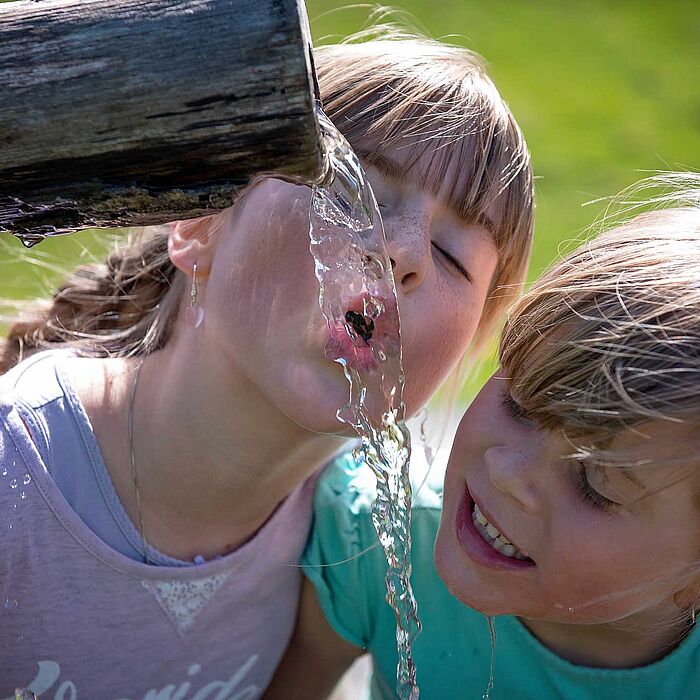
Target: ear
193 241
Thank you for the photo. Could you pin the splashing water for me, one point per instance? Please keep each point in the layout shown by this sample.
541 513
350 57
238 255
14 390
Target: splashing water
358 299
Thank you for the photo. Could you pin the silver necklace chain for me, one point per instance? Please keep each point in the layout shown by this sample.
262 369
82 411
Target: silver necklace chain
134 475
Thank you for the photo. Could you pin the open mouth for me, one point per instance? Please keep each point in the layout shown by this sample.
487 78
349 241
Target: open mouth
363 338
483 541
490 534
362 326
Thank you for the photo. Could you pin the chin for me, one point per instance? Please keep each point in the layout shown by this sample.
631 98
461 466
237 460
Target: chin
448 565
319 418
457 578
315 411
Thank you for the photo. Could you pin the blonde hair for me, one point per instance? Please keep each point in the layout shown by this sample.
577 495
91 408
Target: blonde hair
376 92
609 337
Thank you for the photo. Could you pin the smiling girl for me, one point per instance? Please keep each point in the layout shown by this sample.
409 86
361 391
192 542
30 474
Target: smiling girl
162 420
571 499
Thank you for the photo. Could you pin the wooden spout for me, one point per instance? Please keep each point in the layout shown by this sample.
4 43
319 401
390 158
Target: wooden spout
123 112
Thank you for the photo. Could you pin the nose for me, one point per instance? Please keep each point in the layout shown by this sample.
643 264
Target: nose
408 242
512 473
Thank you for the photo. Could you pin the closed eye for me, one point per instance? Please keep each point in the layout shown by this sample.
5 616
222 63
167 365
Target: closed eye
588 493
513 408
453 261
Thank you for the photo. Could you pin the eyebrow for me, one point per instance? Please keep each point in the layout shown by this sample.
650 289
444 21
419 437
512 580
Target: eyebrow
488 224
386 165
395 171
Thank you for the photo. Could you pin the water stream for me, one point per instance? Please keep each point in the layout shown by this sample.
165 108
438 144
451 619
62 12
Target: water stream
492 637
358 299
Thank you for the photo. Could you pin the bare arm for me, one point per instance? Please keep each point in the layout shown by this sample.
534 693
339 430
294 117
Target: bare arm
316 657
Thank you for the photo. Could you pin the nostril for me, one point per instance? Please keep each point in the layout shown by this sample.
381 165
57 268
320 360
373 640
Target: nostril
408 280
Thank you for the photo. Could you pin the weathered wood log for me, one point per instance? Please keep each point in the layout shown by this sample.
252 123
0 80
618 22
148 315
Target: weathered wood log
131 112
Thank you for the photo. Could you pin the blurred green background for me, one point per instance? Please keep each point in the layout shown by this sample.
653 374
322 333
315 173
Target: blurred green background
602 90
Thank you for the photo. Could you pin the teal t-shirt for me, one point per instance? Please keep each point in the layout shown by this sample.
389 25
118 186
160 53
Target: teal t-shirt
453 652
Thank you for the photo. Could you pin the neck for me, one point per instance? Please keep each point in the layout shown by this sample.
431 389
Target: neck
637 640
213 457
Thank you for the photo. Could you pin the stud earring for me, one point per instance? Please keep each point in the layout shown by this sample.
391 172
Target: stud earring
194 313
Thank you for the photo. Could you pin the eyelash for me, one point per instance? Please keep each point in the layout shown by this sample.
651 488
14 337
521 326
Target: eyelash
513 408
588 493
453 261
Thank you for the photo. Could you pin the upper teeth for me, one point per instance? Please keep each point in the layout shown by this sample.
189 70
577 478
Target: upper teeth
492 536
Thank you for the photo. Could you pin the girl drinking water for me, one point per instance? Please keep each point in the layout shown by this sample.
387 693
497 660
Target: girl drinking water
570 505
162 419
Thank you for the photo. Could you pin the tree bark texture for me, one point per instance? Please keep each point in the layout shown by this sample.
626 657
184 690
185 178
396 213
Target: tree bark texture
135 112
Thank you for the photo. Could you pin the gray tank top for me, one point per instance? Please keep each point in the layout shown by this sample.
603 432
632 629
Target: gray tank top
80 615
75 461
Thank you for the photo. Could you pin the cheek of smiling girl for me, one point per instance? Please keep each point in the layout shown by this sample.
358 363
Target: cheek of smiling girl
571 495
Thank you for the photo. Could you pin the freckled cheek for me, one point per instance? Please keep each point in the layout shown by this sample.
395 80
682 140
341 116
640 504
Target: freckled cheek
578 571
428 358
453 333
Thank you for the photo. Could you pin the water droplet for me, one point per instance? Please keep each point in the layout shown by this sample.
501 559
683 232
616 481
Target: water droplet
13 483
14 506
23 496
26 694
10 603
4 471
373 307
26 479
382 356
571 610
30 239
372 265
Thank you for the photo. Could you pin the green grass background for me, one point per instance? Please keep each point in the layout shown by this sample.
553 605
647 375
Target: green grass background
602 90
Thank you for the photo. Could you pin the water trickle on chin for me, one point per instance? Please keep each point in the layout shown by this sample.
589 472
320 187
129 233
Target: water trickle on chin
358 299
492 637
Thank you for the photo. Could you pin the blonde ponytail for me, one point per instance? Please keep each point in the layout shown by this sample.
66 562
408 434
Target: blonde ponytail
125 306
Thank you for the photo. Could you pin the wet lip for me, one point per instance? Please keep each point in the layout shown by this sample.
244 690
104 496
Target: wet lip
340 345
359 352
474 545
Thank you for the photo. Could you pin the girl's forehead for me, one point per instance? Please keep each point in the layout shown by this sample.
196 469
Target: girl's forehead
440 175
658 444
639 449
